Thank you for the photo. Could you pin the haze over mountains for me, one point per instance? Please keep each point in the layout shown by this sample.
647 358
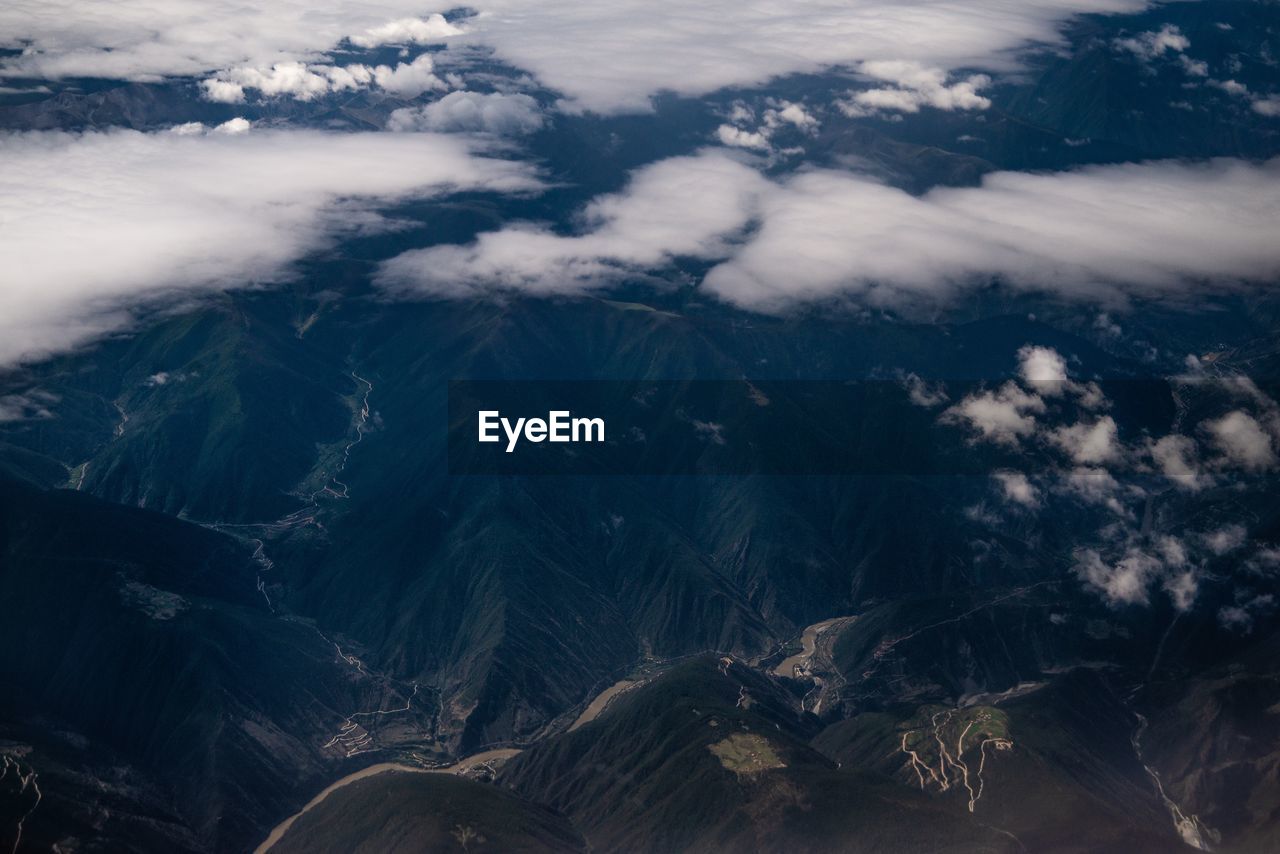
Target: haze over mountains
245 253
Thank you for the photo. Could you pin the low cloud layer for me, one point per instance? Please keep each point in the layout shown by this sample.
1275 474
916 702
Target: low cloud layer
683 206
603 57
92 223
1161 229
472 112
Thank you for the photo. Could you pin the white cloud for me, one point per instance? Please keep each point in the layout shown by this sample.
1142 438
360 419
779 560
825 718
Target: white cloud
1002 416
1097 486
1042 368
780 116
471 112
1099 234
1193 67
1089 444
1124 582
1015 488
683 206
92 223
923 393
915 86
1269 106
1182 589
304 82
1177 460
738 138
1239 617
1155 229
603 56
1155 43
1242 441
1226 539
426 30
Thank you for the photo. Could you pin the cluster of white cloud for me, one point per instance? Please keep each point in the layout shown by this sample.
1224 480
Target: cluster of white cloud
93 223
1128 562
1128 570
1007 416
1263 105
603 57
495 113
305 82
778 116
1103 234
428 30
1243 439
1169 40
1154 44
915 86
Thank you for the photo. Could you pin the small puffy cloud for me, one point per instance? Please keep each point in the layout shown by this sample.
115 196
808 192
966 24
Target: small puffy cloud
1123 582
738 138
1165 563
1089 444
923 393
915 86
1177 459
1240 617
1096 486
1155 43
1182 589
794 114
1242 441
1003 416
472 112
1042 368
97 222
1264 561
1231 87
1225 540
235 126
1173 551
408 31
778 117
409 79
1269 106
1017 489
1193 67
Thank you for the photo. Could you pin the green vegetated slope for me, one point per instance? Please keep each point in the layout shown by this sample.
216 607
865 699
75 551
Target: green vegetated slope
1054 767
712 756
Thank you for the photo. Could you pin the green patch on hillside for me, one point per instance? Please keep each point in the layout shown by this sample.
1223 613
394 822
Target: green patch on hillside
746 753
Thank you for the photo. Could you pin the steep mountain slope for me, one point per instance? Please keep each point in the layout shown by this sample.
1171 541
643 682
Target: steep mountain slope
148 684
711 756
402 812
